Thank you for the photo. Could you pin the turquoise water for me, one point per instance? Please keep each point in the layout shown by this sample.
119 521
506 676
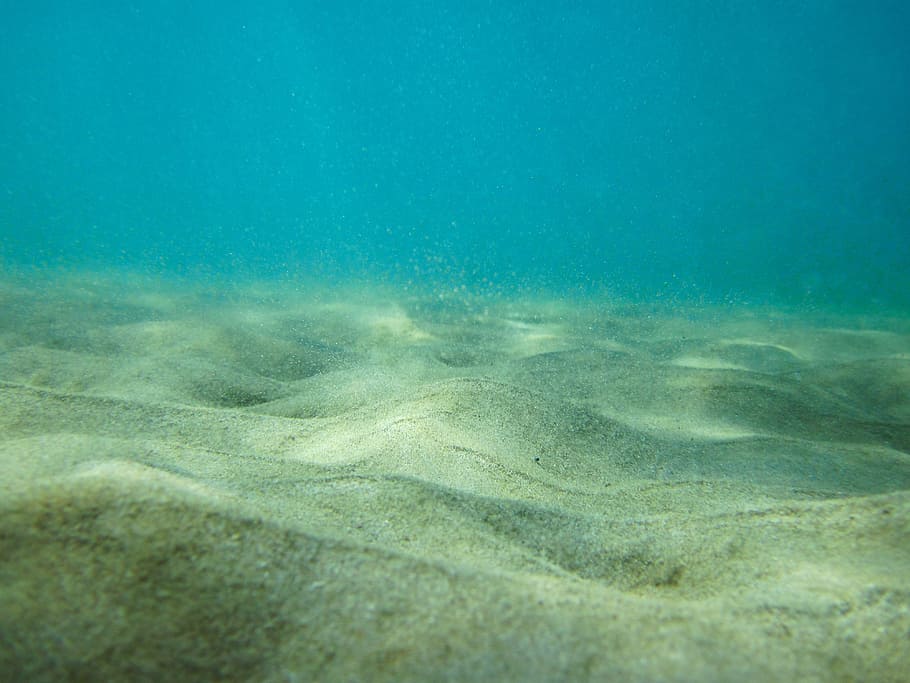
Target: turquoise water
747 152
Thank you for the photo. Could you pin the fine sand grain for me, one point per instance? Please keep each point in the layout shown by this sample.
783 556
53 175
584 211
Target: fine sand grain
274 483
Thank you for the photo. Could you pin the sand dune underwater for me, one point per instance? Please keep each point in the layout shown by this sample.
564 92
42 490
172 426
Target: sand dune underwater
278 483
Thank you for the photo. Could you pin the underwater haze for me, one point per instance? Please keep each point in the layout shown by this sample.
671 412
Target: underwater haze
704 151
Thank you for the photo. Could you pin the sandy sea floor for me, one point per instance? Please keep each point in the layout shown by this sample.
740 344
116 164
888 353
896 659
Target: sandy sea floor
273 483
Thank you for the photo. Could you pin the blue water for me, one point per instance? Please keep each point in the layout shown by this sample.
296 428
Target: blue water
749 152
